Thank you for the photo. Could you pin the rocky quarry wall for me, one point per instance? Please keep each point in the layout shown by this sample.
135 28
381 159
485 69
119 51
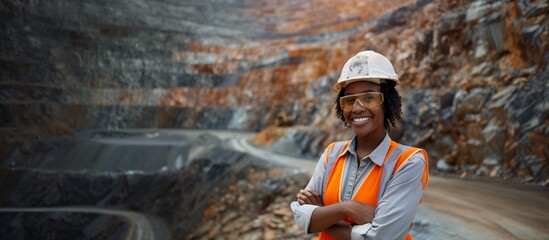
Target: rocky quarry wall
473 72
474 75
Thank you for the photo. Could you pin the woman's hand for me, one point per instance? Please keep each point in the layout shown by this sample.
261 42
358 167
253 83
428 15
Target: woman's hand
361 213
309 196
341 230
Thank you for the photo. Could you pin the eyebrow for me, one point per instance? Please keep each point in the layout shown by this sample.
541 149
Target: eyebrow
365 91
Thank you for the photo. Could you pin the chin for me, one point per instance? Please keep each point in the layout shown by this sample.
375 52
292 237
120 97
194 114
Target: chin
362 132
367 132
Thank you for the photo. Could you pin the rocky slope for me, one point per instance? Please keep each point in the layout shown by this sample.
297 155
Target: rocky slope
473 71
103 184
73 65
480 88
474 75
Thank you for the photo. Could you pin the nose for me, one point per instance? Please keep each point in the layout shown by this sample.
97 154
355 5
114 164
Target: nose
358 109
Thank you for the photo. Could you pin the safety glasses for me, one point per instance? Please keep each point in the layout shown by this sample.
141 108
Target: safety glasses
366 100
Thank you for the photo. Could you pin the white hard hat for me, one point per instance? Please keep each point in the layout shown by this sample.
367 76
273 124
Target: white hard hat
366 66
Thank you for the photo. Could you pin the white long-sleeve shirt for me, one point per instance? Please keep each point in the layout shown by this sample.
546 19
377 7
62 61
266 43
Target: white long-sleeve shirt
397 204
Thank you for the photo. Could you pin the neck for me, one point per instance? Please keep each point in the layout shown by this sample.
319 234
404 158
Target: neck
366 144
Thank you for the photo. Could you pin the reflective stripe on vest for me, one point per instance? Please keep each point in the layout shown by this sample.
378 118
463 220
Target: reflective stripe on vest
372 188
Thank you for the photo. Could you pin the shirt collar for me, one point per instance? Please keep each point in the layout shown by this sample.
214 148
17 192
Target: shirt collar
378 155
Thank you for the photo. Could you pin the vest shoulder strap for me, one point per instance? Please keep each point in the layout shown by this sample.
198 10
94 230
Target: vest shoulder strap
406 155
399 158
330 157
334 150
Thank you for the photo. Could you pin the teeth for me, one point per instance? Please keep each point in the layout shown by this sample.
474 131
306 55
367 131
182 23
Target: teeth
361 119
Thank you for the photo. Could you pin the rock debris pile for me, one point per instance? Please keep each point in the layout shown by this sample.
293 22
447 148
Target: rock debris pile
255 208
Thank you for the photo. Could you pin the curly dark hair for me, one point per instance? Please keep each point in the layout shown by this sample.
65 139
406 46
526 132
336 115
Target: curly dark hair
392 105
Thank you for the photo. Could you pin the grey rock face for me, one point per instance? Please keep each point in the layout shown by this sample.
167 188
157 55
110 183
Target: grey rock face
488 130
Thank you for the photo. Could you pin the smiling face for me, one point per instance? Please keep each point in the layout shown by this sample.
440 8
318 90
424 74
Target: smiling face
365 122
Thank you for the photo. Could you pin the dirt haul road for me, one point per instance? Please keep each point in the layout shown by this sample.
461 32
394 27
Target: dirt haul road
488 210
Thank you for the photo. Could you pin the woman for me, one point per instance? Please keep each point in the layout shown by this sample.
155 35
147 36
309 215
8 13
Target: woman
370 186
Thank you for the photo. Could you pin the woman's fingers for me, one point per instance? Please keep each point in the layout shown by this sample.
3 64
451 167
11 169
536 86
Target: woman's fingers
302 198
309 196
316 196
313 196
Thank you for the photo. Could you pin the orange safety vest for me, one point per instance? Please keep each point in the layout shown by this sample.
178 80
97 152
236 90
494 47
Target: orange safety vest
368 190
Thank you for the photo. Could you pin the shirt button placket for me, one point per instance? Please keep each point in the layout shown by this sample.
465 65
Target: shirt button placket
351 183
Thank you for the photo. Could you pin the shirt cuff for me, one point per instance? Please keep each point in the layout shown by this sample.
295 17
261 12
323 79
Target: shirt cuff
302 214
358 232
